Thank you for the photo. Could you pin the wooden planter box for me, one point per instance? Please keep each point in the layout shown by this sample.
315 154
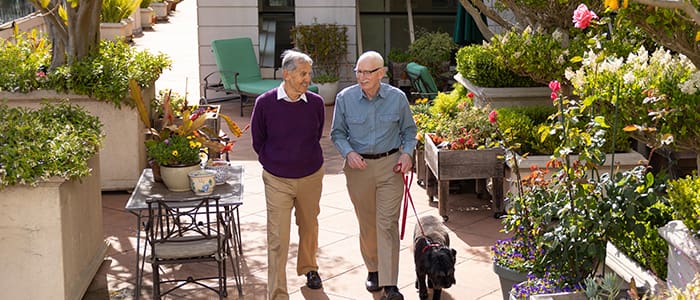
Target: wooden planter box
446 165
123 154
52 237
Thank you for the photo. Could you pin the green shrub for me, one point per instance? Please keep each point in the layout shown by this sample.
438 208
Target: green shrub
105 75
684 195
327 44
480 65
522 124
432 49
54 140
21 61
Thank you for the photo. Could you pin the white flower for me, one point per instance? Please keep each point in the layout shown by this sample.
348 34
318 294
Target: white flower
628 78
611 64
691 85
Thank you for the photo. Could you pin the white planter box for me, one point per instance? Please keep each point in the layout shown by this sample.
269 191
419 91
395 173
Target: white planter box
113 31
160 9
683 254
500 97
626 269
52 238
123 154
147 16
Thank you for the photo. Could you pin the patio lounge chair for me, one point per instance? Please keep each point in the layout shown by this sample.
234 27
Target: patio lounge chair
239 73
421 80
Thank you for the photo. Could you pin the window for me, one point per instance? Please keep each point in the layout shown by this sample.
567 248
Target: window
276 18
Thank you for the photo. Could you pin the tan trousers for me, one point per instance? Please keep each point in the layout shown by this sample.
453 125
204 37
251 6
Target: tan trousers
282 195
376 194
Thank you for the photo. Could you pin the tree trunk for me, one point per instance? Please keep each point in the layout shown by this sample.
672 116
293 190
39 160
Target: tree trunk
76 38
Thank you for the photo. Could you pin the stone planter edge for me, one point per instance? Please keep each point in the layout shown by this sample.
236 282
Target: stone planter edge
683 254
626 268
57 242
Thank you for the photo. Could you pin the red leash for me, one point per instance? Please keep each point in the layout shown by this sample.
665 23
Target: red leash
407 181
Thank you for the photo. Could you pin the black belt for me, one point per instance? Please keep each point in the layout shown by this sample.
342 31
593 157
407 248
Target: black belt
380 155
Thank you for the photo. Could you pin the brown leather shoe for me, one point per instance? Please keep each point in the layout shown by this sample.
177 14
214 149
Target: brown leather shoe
313 281
372 283
391 292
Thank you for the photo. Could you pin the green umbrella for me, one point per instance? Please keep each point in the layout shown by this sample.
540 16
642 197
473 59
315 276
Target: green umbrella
466 32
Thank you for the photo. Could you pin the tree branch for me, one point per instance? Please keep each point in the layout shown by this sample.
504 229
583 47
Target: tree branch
683 5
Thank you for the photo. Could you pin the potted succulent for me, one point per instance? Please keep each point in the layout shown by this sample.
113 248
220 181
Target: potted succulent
51 198
327 44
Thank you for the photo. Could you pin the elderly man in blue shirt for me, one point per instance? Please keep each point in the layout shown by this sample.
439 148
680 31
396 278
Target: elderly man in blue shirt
373 129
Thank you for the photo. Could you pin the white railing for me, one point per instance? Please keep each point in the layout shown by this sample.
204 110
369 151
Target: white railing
24 24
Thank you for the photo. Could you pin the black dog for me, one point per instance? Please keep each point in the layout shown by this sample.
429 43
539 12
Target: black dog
435 260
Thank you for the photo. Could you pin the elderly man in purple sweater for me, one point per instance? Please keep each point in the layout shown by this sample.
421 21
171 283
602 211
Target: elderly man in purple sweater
286 128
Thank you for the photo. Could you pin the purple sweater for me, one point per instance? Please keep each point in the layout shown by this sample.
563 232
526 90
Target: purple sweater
286 135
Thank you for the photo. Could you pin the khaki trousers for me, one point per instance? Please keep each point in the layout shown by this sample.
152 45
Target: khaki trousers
376 194
282 195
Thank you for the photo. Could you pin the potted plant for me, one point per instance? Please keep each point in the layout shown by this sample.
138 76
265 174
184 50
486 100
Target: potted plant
114 19
179 145
434 50
147 14
52 204
327 44
160 9
458 149
683 233
398 59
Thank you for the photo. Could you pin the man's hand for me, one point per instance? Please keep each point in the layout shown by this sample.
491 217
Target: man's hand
356 161
406 162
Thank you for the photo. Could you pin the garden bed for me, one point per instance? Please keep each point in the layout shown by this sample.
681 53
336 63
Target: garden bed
446 165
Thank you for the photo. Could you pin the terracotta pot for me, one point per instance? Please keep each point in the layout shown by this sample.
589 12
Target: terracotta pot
175 178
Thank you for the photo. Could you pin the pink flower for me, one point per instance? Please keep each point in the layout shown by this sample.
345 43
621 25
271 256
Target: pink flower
583 16
41 74
554 86
553 96
493 116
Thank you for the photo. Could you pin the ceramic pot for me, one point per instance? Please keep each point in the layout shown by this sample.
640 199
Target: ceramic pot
175 178
202 181
508 278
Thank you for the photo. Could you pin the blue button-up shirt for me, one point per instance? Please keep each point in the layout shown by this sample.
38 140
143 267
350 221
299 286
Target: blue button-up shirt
372 126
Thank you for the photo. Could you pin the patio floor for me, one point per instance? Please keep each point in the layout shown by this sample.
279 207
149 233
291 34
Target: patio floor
473 228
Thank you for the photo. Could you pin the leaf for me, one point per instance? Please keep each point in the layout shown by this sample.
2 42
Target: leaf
135 91
235 130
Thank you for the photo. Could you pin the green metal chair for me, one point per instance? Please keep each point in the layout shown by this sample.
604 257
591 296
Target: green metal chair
239 73
421 80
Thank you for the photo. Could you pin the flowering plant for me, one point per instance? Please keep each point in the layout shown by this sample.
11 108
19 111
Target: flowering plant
548 283
182 141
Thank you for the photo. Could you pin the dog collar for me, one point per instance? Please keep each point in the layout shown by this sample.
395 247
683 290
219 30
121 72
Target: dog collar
428 246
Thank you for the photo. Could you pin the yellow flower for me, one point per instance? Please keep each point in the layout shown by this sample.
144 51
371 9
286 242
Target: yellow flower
697 36
612 4
175 153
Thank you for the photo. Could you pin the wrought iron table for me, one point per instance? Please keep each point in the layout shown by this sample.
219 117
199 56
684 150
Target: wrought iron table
230 194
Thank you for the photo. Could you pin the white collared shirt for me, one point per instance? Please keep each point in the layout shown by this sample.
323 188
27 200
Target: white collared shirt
282 95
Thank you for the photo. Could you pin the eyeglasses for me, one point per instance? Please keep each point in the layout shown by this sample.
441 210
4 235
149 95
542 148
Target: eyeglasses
366 73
